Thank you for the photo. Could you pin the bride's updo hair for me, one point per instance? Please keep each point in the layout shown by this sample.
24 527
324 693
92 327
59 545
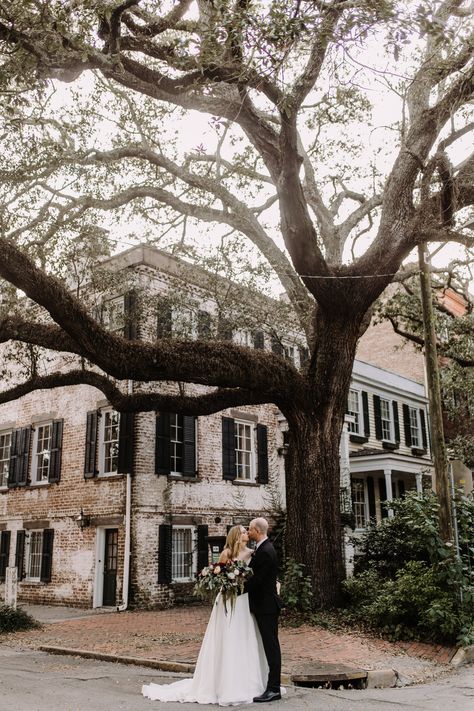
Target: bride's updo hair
233 541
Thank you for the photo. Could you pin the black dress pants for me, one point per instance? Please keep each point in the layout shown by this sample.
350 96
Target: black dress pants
268 627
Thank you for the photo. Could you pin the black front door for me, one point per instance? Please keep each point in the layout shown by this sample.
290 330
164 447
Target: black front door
110 566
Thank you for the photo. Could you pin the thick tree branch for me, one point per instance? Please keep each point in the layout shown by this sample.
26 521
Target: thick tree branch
205 404
202 362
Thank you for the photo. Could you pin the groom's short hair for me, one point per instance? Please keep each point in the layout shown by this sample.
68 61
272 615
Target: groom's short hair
261 524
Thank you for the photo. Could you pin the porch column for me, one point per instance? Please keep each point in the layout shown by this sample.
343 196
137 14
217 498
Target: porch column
388 487
419 483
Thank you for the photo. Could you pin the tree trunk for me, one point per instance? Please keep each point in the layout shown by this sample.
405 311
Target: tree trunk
313 529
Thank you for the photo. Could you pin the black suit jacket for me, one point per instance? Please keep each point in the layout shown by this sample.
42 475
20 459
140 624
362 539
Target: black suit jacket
261 587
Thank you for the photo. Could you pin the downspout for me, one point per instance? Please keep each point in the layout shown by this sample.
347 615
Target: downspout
128 516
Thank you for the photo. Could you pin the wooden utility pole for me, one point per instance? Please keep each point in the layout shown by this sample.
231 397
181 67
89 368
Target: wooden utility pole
438 446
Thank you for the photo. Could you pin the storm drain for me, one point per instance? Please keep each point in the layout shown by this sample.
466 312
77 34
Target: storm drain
329 676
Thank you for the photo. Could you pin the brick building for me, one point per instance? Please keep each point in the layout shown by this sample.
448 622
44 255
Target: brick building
102 509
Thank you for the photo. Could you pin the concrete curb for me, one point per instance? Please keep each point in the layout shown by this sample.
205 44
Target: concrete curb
376 678
464 655
382 678
159 664
138 661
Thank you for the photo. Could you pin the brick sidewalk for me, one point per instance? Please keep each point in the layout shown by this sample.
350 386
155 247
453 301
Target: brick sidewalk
175 635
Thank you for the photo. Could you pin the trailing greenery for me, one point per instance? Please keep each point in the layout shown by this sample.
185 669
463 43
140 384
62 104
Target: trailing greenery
12 620
409 583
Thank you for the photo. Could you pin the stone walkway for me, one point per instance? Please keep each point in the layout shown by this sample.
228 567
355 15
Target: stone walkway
176 634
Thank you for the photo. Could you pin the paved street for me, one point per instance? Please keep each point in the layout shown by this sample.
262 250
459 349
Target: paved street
36 681
175 635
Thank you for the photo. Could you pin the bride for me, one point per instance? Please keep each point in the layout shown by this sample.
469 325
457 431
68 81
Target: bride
232 641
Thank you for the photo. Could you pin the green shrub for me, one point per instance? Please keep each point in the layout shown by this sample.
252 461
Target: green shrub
12 620
296 588
408 583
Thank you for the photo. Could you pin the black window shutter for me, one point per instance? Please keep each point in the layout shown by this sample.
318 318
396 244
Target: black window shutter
304 355
47 555
262 454
383 495
371 496
424 437
162 444
130 312
20 554
90 459
54 473
277 346
378 417
406 424
189 445
396 421
365 412
125 448
224 329
13 464
165 543
5 537
23 456
204 325
258 340
229 469
202 547
164 319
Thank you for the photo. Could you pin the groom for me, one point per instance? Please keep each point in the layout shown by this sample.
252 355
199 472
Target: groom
265 603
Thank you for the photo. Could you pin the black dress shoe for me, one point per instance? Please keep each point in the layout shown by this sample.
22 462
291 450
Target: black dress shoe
268 696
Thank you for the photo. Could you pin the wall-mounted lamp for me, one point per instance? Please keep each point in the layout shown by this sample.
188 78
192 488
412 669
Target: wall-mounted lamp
82 520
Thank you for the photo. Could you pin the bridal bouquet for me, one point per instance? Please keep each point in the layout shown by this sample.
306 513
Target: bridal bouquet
225 578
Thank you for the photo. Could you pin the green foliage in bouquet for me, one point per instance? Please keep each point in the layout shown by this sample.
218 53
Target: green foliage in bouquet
226 578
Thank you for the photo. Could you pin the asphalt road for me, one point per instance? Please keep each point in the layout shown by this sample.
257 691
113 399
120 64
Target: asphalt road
37 681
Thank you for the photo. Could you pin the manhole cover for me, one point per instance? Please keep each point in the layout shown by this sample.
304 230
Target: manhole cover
329 676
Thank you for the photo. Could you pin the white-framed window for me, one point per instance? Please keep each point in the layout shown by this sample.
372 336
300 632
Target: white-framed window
41 453
243 337
183 554
245 450
113 314
108 441
176 443
33 555
386 420
354 409
290 353
415 427
359 502
5 448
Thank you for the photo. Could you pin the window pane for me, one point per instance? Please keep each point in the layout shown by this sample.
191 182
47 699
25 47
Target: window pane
176 441
385 412
111 437
358 502
182 554
243 450
34 562
5 444
414 431
353 409
43 451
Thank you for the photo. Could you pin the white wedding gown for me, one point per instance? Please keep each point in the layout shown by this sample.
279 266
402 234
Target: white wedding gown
231 667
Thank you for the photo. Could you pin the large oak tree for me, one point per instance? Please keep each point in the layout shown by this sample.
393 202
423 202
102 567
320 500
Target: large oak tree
289 86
